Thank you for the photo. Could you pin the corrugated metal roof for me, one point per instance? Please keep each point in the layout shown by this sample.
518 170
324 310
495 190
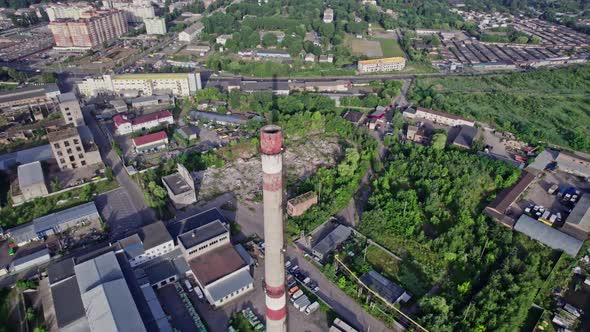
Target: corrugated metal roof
36 258
150 138
548 235
332 240
107 299
233 283
29 174
580 215
383 286
87 210
110 307
39 153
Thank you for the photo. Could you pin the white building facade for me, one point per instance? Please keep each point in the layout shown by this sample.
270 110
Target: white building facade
177 84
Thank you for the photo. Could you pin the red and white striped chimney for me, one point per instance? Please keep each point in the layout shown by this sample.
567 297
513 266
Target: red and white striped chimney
271 146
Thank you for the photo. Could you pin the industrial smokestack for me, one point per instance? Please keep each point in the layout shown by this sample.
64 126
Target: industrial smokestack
271 145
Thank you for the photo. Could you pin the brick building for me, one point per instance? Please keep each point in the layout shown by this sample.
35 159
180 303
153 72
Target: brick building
73 147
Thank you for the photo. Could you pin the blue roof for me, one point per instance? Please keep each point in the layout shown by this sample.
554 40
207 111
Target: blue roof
39 153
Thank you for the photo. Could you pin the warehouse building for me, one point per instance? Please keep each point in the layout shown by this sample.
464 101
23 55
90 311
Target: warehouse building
330 242
548 235
499 207
93 295
33 98
25 262
385 288
180 187
577 223
31 182
53 223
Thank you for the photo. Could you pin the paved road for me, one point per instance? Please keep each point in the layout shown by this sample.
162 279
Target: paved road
344 305
111 159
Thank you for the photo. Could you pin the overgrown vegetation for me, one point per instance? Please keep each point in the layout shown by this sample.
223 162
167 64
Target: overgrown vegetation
549 105
12 216
427 207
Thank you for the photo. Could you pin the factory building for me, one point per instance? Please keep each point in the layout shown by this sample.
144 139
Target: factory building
177 84
219 269
180 187
439 117
155 26
74 147
150 242
53 223
70 109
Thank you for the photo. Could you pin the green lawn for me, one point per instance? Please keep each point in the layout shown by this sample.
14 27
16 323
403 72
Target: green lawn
390 47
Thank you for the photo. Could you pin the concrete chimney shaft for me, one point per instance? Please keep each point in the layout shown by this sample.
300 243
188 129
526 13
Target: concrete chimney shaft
271 145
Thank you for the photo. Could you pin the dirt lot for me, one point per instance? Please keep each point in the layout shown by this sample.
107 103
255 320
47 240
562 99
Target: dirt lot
369 48
244 177
537 193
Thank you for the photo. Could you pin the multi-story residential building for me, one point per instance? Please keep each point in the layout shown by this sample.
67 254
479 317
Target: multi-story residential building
150 242
328 15
73 147
177 84
383 64
437 117
191 33
155 26
70 109
91 30
180 187
73 10
135 12
124 126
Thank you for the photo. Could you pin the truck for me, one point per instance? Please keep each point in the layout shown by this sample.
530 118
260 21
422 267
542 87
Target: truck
296 295
300 301
188 285
303 305
343 326
312 308
199 292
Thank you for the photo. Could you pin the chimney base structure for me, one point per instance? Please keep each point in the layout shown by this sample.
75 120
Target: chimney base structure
271 146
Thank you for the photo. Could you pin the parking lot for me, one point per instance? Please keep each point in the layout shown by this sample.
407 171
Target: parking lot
173 307
538 194
117 211
218 320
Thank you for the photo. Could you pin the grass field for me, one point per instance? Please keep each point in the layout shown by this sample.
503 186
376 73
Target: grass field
547 105
390 47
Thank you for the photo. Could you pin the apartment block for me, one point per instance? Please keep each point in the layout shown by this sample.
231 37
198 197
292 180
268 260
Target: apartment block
177 84
135 12
67 11
91 30
70 109
73 147
155 26
381 65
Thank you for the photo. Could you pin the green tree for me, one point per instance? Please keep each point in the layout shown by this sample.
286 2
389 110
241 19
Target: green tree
269 39
439 141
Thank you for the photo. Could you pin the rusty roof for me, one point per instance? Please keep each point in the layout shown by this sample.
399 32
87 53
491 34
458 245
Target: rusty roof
216 264
510 195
